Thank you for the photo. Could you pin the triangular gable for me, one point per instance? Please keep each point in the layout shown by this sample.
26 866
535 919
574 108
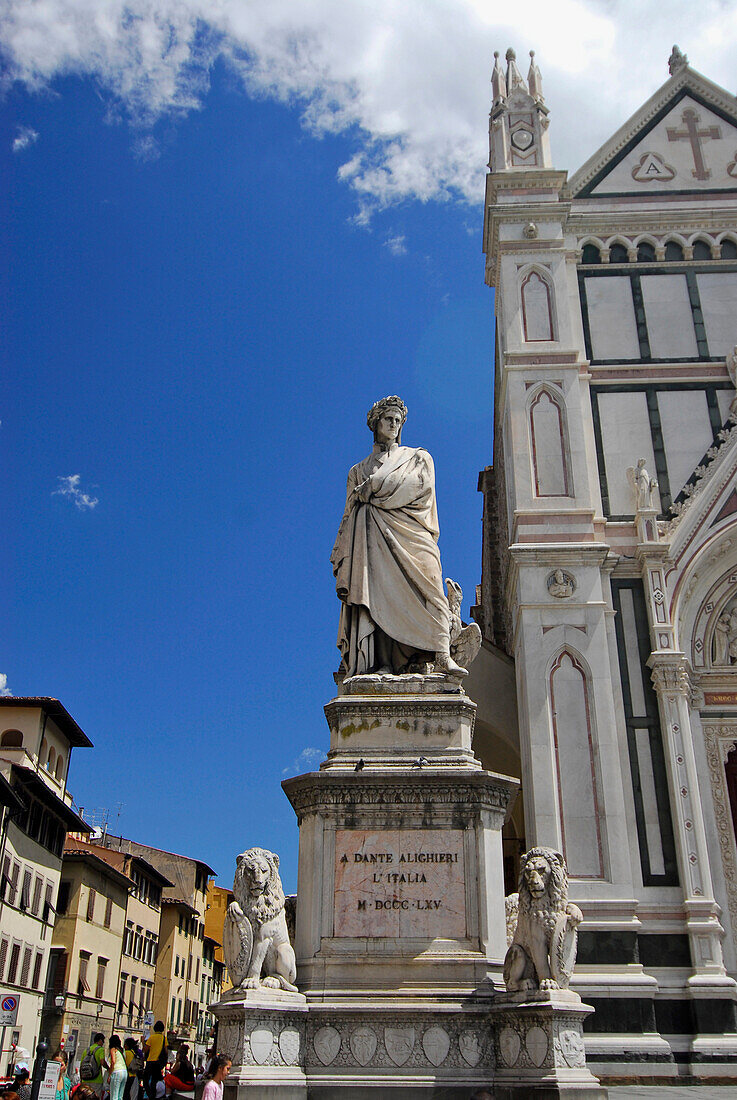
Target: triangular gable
683 140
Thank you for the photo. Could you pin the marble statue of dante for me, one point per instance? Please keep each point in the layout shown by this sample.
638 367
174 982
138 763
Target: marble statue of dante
394 616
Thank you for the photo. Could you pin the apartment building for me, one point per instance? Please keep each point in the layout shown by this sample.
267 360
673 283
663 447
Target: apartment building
37 736
84 973
178 986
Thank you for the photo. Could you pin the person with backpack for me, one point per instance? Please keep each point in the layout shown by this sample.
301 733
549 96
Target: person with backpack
136 1065
90 1068
155 1050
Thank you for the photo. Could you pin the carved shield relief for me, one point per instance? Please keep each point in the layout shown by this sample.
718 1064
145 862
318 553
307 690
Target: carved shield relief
563 951
289 1045
436 1044
509 1046
470 1047
326 1044
262 1041
363 1045
399 1042
537 1045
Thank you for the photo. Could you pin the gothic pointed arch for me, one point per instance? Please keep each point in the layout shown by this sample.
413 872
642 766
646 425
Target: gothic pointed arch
537 298
576 765
549 445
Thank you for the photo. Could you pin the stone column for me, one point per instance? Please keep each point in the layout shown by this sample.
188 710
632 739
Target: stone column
670 677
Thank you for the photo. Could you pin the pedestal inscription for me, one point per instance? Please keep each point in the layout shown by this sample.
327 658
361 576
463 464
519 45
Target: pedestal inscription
400 883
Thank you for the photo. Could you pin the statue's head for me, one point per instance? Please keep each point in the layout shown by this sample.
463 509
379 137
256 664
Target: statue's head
380 409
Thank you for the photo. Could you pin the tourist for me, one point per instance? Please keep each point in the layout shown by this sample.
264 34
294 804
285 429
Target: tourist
117 1069
90 1066
181 1076
22 1081
214 1087
82 1092
134 1061
155 1050
63 1083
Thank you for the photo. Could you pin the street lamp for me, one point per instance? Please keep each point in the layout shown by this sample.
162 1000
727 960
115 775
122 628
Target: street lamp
59 1000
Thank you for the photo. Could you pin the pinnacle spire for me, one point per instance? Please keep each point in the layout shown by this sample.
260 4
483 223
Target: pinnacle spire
514 76
498 83
535 80
676 61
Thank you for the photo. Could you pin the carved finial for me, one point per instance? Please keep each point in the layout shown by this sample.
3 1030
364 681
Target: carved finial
535 80
498 83
676 61
514 76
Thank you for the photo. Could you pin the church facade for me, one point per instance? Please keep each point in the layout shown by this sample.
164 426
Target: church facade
608 600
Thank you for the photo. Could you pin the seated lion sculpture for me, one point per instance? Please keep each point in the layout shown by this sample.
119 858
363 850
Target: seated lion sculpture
255 937
542 951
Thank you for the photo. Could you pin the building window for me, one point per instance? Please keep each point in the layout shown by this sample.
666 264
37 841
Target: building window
36 903
100 986
729 250
25 894
36 983
13 964
645 253
12 739
62 900
46 915
701 250
3 956
108 912
82 983
25 969
673 251
618 254
91 904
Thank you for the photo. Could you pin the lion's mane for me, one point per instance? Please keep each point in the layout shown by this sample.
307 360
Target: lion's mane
546 909
258 905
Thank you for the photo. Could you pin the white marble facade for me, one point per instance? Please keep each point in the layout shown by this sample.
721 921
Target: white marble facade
615 320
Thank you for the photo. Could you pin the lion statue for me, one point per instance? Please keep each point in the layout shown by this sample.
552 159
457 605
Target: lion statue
255 937
542 951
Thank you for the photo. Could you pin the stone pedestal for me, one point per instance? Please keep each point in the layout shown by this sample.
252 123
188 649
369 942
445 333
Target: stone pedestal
538 1039
263 1031
400 929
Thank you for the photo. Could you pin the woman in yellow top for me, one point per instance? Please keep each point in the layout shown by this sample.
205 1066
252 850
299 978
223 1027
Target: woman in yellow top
155 1050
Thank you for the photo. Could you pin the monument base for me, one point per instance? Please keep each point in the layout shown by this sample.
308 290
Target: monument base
405 1050
539 1044
263 1031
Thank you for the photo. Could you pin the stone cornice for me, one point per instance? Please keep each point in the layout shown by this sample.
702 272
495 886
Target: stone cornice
388 792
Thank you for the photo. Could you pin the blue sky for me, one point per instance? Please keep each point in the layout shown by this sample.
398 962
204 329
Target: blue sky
199 337
232 228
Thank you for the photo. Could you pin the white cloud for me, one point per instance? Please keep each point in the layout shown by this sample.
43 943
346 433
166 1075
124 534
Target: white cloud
397 245
407 83
306 760
4 689
26 136
69 488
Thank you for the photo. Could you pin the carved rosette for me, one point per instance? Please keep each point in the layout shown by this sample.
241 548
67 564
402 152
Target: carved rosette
397 1041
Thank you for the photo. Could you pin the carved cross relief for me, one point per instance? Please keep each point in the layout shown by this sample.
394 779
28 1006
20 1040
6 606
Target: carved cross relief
691 133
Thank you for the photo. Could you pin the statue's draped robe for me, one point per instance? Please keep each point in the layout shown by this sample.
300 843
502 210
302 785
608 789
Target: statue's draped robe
387 563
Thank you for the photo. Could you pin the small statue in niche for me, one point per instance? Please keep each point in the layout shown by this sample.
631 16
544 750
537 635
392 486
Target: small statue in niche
643 485
255 937
561 584
543 948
